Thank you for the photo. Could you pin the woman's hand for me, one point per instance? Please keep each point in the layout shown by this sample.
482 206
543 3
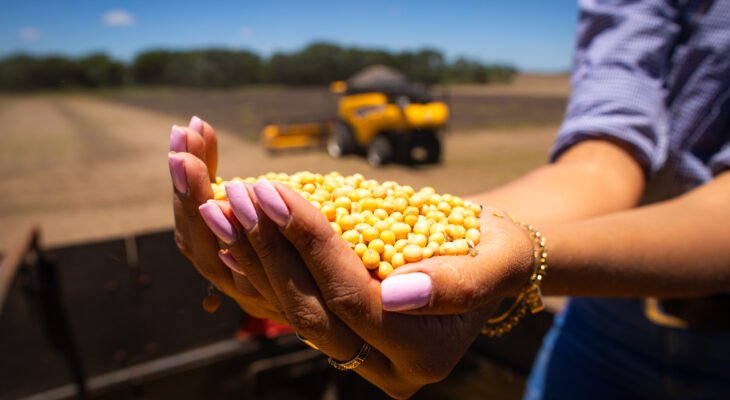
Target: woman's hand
193 160
327 295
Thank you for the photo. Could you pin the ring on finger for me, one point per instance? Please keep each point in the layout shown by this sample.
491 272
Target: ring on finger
353 362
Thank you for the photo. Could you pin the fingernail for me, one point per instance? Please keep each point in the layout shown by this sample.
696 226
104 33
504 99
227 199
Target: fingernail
241 204
271 202
406 292
217 222
230 262
196 124
178 139
177 172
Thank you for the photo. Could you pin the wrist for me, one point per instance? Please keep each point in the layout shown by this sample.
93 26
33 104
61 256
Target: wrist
522 263
528 299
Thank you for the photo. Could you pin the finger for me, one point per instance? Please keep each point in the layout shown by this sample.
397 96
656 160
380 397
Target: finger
178 143
181 230
182 140
253 302
245 213
307 313
185 140
211 144
243 284
346 285
192 187
220 218
249 297
457 284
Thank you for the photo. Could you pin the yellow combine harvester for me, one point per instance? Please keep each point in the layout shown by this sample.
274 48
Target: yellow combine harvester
385 119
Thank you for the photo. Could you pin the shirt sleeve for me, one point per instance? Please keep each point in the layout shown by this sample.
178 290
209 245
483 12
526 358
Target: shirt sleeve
620 62
720 162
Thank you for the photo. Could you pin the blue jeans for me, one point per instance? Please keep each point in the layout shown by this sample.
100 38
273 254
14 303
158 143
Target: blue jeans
607 349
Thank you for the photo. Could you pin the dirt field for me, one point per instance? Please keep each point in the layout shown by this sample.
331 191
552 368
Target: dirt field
91 166
530 102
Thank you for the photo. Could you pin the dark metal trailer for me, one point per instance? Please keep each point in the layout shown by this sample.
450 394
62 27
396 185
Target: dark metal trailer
122 319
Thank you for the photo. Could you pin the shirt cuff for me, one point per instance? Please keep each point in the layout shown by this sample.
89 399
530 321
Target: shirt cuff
720 162
641 147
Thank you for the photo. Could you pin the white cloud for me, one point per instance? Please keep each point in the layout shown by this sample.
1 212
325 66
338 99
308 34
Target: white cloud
247 32
29 34
118 18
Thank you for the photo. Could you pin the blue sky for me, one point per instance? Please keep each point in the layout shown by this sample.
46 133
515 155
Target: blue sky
534 35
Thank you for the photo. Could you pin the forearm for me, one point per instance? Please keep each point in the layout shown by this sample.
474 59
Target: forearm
594 178
675 248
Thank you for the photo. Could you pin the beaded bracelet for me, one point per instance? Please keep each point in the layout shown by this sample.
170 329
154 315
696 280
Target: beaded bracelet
530 297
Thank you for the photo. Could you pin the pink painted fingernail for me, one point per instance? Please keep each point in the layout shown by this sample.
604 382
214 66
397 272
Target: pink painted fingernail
241 204
196 124
177 172
217 222
230 262
271 202
178 139
406 292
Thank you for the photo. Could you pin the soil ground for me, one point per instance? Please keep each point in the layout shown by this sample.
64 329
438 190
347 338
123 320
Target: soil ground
87 166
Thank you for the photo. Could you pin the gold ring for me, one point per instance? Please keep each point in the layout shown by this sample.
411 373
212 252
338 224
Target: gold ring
305 340
352 363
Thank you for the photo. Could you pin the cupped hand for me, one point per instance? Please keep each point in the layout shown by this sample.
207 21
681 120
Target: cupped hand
419 321
234 270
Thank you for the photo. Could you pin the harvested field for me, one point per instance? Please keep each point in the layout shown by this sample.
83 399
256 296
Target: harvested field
90 166
529 103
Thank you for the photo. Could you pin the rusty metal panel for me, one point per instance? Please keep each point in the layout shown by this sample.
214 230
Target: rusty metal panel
127 301
96 286
136 322
170 294
28 362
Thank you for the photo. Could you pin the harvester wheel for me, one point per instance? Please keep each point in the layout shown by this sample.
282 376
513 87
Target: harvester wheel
380 151
341 141
433 149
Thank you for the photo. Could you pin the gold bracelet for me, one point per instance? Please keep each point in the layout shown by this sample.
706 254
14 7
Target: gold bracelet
530 297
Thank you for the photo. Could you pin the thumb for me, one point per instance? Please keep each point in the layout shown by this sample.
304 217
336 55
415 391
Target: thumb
450 284
457 284
439 285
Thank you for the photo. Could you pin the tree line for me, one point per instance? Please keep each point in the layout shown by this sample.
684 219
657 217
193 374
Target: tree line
316 64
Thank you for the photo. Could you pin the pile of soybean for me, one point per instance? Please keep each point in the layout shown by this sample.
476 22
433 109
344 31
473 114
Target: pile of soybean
388 225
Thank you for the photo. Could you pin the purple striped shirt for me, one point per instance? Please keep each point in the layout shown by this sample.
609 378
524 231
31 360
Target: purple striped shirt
654 75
